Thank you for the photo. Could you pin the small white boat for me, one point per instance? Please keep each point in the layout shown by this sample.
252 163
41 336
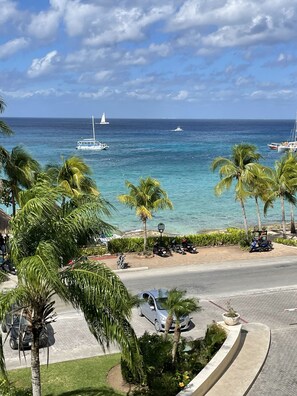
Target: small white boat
178 129
273 146
91 144
103 120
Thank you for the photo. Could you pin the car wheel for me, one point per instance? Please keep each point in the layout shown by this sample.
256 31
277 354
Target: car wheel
157 326
13 343
139 311
3 327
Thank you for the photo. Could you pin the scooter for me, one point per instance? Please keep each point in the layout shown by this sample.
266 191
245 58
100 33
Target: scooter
8 267
121 264
188 246
261 245
177 247
160 250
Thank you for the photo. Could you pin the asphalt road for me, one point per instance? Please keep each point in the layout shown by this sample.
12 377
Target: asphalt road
260 291
205 282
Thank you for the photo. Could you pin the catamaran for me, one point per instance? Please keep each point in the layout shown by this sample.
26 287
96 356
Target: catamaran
103 120
91 144
290 145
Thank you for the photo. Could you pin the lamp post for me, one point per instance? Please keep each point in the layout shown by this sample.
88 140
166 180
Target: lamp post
161 228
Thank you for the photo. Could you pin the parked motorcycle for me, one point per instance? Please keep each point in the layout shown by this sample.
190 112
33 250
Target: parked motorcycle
260 242
177 247
121 264
259 245
161 251
188 246
8 267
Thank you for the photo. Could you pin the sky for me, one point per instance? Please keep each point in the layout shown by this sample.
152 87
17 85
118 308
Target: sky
191 59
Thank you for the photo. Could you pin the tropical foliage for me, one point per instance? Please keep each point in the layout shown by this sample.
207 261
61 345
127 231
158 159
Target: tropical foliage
45 236
146 198
241 167
20 170
4 128
177 306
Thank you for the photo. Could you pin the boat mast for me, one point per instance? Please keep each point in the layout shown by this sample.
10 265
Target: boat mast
93 124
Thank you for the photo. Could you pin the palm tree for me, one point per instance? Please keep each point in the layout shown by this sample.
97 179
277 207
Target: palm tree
43 236
20 169
146 198
241 167
283 184
259 187
177 306
4 128
74 176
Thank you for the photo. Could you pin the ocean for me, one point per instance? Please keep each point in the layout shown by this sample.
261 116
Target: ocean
179 160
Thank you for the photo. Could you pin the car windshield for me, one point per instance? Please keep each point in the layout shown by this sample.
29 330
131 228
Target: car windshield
20 320
161 303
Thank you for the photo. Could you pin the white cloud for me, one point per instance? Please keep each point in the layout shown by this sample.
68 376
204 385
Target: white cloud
8 11
29 94
181 95
44 66
273 94
44 26
13 46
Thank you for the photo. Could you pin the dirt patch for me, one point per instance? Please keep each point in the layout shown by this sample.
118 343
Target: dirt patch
115 380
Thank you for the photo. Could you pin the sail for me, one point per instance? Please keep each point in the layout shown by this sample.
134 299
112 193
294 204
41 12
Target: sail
103 120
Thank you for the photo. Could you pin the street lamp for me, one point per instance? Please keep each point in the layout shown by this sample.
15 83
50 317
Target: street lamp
161 228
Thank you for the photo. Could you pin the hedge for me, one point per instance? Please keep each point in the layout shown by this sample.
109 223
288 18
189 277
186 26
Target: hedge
232 236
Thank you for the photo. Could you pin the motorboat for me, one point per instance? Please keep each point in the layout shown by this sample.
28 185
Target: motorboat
103 120
273 146
91 144
178 129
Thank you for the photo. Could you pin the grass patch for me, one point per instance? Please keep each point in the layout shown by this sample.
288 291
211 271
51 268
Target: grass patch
84 377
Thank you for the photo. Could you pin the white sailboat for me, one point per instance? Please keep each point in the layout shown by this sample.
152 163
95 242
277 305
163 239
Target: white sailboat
91 144
103 120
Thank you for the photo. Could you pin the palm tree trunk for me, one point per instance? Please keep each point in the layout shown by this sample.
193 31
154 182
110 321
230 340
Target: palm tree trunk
176 338
293 228
258 214
283 216
244 217
144 236
2 361
35 365
168 324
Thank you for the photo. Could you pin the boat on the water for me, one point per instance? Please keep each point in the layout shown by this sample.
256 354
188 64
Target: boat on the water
178 129
290 145
91 144
103 120
273 146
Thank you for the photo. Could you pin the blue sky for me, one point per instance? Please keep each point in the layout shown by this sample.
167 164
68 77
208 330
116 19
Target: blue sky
148 58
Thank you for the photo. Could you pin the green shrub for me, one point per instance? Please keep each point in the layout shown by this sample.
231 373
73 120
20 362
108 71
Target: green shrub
7 389
232 236
288 242
93 250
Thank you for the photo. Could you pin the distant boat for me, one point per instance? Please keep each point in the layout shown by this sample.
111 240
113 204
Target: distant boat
103 120
178 129
273 146
91 144
290 145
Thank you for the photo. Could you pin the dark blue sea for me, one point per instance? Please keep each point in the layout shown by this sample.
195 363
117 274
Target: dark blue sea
179 160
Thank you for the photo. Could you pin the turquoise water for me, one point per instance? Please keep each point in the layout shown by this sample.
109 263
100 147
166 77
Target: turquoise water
179 160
